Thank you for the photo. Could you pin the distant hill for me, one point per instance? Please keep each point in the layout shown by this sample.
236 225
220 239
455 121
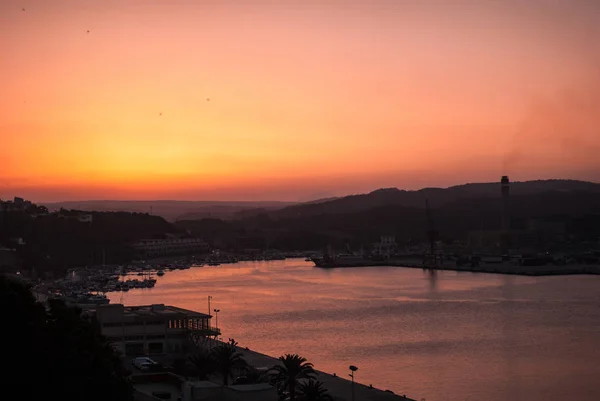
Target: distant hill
437 197
169 209
579 210
57 241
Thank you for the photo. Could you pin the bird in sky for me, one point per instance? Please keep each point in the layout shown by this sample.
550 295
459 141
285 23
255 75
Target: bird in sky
160 114
88 31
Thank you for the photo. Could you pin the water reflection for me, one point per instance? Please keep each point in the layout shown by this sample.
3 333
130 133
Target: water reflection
432 274
442 336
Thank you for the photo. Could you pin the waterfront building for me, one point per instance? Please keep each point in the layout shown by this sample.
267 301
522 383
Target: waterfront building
149 248
152 329
386 247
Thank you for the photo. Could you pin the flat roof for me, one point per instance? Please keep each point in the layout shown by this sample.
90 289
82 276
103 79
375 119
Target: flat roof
154 310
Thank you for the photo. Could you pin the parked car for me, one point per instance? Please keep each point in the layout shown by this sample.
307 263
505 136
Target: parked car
144 363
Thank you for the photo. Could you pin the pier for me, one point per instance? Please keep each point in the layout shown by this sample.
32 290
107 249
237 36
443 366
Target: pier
494 268
506 268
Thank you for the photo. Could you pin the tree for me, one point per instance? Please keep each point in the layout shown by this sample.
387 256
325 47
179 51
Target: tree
227 361
313 390
293 367
204 363
62 352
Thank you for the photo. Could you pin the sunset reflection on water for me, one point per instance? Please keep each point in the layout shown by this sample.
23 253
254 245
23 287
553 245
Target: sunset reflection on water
444 337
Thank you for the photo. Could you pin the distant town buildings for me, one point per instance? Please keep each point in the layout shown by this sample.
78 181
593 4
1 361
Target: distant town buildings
537 233
79 216
149 248
17 204
386 247
151 329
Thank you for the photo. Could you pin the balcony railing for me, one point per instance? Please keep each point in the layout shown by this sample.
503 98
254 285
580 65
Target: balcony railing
206 331
200 331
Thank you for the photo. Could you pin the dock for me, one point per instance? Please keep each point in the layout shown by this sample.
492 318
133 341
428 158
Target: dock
493 268
506 268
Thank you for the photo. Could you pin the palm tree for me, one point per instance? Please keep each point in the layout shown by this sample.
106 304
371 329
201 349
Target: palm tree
204 363
293 367
313 390
227 361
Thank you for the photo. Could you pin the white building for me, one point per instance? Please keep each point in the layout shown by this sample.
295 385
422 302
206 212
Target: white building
170 246
386 247
151 329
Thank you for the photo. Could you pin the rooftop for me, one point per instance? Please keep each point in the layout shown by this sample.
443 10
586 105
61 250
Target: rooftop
144 311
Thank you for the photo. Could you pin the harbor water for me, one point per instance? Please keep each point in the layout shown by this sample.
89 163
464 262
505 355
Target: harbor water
445 336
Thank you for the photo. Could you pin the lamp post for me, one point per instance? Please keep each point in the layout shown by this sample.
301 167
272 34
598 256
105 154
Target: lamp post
209 298
217 320
352 370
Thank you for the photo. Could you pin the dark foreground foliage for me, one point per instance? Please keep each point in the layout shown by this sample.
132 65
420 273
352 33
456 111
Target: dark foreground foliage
54 353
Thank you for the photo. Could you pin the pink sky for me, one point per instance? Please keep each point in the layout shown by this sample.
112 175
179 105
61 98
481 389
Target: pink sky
289 100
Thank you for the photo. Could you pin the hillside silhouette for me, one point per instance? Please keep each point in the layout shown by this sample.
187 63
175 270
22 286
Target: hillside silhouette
59 240
56 242
170 209
361 219
436 196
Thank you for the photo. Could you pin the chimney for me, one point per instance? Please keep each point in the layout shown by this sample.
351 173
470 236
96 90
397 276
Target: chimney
505 191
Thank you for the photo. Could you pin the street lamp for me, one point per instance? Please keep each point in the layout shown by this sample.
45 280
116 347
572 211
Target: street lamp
352 370
209 298
217 318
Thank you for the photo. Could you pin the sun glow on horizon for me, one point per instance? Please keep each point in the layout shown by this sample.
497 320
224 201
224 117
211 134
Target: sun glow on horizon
283 101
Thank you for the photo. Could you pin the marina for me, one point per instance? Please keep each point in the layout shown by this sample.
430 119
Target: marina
89 285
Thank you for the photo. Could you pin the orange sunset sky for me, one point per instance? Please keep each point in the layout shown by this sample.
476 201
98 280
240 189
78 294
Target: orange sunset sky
293 100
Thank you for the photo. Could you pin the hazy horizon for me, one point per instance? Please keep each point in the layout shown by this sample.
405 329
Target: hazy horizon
291 100
267 200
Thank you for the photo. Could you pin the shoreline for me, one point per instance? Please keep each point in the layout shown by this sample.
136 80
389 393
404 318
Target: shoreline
339 387
495 268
